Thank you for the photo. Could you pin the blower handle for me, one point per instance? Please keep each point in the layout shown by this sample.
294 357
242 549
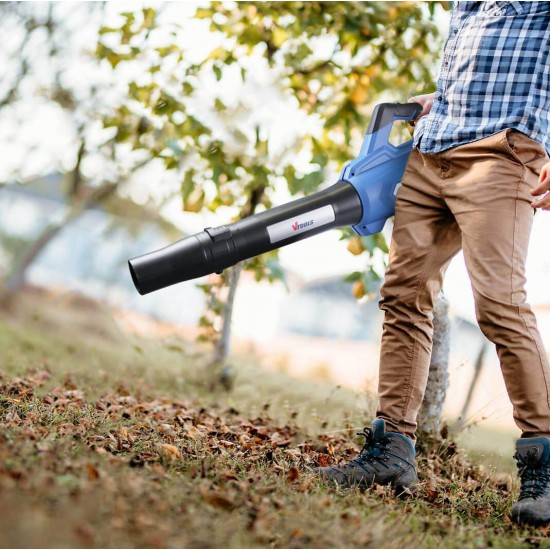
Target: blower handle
381 122
376 173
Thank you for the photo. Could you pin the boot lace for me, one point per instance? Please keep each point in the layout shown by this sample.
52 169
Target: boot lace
373 451
535 479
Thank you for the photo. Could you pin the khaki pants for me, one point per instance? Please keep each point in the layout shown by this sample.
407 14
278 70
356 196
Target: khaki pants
473 197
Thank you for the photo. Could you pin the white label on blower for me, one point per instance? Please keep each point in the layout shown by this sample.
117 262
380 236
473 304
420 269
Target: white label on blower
300 224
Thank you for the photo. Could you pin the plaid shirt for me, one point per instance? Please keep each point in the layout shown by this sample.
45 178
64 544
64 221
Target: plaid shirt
495 74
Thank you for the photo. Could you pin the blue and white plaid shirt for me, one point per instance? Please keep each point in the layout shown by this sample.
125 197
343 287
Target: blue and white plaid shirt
495 74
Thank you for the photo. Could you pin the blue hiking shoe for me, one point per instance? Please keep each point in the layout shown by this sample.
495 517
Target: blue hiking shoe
385 459
533 460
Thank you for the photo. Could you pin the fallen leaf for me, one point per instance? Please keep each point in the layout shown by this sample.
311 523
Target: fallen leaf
40 377
219 501
322 460
92 471
141 459
293 474
13 418
431 495
171 451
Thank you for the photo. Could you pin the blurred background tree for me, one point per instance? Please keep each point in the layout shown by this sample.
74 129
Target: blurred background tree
43 63
331 60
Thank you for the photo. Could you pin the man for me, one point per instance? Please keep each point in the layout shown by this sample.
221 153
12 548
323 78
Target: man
477 174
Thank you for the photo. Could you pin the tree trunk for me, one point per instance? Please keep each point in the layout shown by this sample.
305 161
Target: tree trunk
473 384
17 276
222 345
222 342
438 379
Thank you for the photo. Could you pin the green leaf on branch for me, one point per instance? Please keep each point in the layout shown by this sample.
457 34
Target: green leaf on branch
167 104
219 105
372 242
352 277
149 15
203 13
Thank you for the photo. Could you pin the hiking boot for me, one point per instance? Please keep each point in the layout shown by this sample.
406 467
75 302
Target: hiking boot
533 459
385 459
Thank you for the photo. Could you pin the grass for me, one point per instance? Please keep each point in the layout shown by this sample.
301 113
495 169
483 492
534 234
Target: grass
111 441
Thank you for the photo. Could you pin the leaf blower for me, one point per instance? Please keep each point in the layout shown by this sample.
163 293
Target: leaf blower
363 198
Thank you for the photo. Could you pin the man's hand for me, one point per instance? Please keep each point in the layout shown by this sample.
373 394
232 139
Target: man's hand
542 188
426 100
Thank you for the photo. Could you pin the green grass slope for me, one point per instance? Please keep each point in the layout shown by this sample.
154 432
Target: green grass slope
111 441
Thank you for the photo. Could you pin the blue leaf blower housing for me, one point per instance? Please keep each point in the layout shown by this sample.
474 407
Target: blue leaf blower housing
363 198
376 173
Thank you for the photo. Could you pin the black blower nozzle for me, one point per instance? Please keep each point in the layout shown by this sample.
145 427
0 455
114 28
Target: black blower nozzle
183 260
215 249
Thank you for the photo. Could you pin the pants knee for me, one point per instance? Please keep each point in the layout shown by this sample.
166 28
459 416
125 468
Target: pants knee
416 303
498 317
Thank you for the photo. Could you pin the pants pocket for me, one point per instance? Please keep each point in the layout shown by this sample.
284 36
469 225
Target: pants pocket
522 148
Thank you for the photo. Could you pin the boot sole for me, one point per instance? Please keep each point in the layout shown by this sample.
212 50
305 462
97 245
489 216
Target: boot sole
528 519
400 488
410 488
